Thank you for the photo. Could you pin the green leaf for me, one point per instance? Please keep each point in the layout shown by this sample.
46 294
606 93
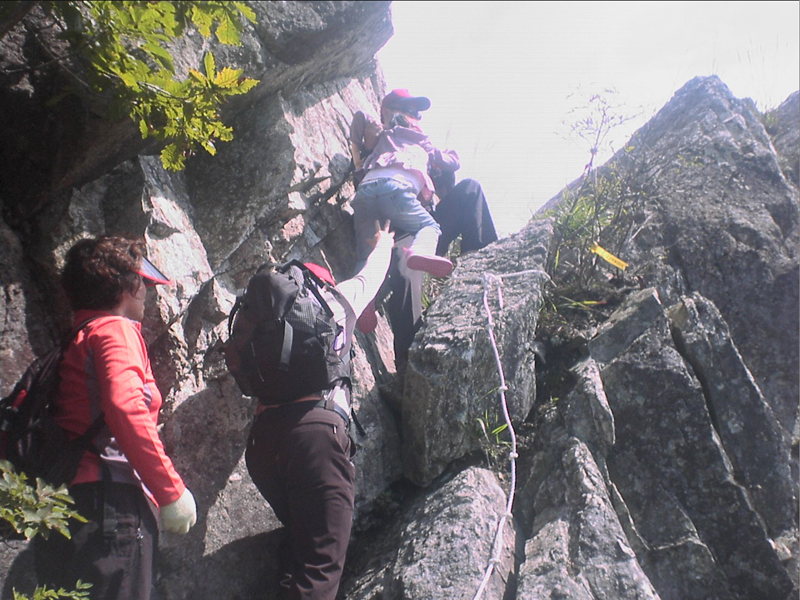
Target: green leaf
198 76
246 85
227 32
160 54
171 158
210 65
209 147
228 77
248 12
202 20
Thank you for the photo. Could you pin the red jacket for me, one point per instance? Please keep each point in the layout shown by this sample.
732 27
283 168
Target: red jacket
106 370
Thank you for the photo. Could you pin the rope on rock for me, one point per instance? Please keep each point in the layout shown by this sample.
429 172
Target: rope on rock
491 280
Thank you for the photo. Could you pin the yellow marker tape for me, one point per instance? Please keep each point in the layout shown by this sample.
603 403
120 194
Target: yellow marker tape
608 257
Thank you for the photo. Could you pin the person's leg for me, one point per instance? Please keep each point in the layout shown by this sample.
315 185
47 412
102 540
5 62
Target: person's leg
119 566
409 215
404 319
299 460
321 492
387 199
465 212
262 457
447 215
382 199
366 210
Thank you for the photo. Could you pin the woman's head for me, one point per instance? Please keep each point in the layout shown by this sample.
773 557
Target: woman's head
99 270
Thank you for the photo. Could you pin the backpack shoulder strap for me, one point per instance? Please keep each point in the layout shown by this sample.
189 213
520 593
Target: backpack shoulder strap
85 439
75 332
317 285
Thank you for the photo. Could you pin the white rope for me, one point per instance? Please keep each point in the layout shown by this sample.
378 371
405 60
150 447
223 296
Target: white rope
497 546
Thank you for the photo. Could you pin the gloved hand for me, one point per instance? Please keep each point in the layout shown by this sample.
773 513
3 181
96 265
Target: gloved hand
179 516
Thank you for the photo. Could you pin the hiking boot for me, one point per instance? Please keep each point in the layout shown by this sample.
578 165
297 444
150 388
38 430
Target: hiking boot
438 266
368 320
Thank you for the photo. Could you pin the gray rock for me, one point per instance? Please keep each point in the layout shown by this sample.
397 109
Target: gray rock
441 546
587 415
720 219
626 324
452 376
665 437
578 548
751 435
784 129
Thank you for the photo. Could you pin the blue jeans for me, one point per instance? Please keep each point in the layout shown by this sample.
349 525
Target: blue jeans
386 198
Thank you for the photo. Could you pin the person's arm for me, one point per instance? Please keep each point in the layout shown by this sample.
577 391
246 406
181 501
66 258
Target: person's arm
364 134
357 138
120 359
445 160
362 288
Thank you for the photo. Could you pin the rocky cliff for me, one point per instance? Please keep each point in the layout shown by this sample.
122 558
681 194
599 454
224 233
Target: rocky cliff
653 452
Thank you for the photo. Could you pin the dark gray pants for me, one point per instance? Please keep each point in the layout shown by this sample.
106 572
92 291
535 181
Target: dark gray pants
465 212
118 562
299 459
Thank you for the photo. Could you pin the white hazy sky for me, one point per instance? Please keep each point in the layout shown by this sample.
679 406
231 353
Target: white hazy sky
503 77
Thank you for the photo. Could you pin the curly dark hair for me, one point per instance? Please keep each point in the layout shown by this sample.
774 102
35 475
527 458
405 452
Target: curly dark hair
98 270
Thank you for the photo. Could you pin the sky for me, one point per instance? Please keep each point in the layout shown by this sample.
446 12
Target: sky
508 80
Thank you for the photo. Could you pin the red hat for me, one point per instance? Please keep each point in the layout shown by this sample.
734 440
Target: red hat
321 272
151 275
401 99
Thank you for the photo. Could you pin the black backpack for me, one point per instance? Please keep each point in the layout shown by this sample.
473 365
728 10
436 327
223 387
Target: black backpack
30 438
283 341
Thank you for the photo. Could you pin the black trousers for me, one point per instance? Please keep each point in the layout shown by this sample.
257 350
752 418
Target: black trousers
299 459
118 562
465 212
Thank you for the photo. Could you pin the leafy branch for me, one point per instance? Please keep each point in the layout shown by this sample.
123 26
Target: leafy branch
30 510
44 593
126 45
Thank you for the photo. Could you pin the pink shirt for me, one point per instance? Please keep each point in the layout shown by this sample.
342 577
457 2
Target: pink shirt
407 148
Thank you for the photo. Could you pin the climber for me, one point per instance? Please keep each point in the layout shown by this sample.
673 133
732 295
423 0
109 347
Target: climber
392 159
126 481
298 453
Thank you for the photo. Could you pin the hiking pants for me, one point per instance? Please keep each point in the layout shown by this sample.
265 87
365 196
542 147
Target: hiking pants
386 198
118 562
299 459
465 212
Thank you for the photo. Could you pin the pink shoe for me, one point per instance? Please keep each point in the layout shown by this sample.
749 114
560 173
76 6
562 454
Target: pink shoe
368 320
438 266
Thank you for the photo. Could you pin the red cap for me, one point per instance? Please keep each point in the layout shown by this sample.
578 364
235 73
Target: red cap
151 275
321 272
402 99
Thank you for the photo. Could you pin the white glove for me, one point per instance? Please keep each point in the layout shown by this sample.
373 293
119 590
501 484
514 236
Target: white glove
179 516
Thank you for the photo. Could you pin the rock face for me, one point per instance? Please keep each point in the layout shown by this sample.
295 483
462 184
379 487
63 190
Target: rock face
654 461
725 221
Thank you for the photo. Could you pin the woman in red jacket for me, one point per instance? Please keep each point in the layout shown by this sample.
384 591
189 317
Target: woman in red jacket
126 475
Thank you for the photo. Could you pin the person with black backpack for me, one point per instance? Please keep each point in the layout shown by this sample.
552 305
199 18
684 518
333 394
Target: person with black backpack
125 480
299 450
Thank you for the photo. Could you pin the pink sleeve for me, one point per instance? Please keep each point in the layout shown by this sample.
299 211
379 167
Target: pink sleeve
127 402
